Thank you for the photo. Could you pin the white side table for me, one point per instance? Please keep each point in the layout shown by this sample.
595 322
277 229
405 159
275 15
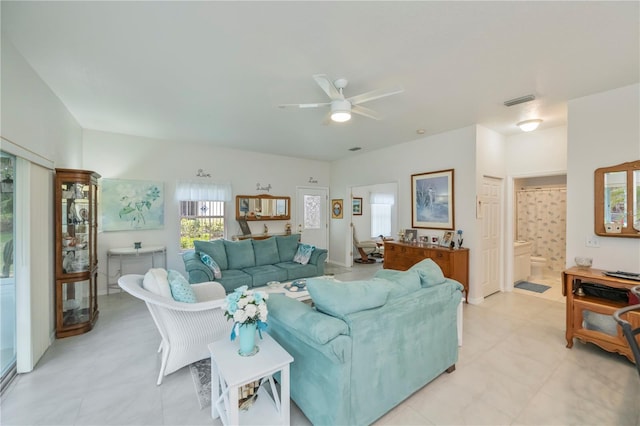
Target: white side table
131 253
229 371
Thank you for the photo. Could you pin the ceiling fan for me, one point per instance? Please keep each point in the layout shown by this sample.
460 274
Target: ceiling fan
341 107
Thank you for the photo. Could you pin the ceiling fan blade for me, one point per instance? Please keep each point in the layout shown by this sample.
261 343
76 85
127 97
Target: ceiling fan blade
328 87
366 112
374 94
318 105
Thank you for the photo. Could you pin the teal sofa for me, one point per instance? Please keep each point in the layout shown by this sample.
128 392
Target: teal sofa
252 262
367 345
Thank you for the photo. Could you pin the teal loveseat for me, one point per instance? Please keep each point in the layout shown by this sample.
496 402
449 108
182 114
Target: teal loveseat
367 345
252 262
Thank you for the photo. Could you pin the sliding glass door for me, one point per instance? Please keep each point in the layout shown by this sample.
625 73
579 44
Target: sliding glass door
7 276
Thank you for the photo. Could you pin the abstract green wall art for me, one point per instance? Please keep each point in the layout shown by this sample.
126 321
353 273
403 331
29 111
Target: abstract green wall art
131 204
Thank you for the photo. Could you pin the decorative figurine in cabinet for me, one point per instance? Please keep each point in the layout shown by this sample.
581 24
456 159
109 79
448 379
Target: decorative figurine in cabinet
76 225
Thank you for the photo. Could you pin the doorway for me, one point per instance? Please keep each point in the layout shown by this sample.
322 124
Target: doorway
491 251
312 216
540 222
7 271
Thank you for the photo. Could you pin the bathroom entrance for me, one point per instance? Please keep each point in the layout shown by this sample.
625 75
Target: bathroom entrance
540 231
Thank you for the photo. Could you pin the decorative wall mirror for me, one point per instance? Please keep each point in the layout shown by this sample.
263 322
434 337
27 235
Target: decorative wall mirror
263 207
617 200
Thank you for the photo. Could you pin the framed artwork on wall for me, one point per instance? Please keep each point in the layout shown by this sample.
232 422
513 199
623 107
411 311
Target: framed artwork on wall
432 200
357 206
336 209
131 204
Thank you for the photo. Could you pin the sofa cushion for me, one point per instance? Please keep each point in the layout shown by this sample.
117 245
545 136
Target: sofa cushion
156 282
181 291
303 318
341 299
239 254
208 260
430 273
296 270
287 246
266 251
263 274
234 278
215 249
303 253
400 282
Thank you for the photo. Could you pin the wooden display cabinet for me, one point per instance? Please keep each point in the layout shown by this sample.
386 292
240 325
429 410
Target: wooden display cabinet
453 262
76 272
603 332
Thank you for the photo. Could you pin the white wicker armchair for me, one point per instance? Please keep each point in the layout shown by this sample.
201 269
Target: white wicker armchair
185 328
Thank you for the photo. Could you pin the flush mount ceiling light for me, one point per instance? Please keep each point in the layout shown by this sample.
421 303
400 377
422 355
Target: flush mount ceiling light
340 111
529 125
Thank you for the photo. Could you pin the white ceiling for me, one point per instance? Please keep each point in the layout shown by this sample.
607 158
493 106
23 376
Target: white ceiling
214 72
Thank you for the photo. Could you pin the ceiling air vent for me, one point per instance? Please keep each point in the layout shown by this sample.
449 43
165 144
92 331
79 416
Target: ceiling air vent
520 100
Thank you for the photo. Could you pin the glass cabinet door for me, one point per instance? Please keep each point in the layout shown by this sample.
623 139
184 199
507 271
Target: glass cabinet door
75 227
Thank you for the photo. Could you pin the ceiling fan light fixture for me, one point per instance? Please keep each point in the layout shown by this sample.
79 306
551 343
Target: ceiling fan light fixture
529 125
340 111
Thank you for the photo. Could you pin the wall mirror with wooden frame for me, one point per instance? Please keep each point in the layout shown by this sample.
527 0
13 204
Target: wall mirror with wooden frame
263 207
617 200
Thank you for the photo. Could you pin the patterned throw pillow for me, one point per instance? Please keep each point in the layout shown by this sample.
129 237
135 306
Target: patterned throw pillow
180 288
208 260
303 254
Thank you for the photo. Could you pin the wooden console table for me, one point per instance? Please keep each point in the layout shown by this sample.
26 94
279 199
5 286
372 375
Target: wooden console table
453 262
578 305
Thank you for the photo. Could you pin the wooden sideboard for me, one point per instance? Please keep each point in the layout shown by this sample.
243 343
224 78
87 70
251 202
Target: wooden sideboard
453 262
609 338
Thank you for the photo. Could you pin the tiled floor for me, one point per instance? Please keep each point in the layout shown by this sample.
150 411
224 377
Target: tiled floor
551 279
514 368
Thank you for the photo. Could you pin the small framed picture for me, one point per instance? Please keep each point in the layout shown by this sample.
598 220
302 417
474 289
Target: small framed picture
244 226
357 206
446 239
434 240
411 235
336 208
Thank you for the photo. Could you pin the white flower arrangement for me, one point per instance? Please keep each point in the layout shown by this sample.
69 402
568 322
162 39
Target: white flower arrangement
246 306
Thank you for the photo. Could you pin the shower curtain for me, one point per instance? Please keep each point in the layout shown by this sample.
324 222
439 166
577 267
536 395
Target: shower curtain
541 218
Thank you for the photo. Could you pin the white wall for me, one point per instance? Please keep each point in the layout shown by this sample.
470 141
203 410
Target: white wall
32 115
40 130
118 156
450 150
603 130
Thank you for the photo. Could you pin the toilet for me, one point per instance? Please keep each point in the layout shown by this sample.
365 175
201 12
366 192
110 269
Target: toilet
538 265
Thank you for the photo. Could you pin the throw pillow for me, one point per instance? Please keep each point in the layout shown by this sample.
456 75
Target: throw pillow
303 254
400 282
215 249
207 260
341 299
430 273
181 291
287 246
156 282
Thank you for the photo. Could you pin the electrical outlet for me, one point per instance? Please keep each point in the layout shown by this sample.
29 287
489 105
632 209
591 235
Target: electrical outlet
593 241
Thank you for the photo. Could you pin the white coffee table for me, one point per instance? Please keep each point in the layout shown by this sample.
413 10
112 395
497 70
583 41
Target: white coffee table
279 288
230 371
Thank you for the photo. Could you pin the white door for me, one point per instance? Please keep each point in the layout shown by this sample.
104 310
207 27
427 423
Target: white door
312 216
491 198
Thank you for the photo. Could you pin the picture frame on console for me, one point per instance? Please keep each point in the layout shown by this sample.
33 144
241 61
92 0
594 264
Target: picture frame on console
411 235
447 238
432 200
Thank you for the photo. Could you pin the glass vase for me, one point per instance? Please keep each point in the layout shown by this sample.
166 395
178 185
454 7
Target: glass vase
248 339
